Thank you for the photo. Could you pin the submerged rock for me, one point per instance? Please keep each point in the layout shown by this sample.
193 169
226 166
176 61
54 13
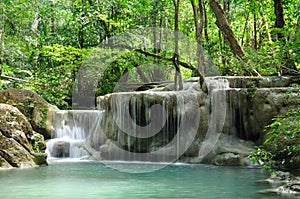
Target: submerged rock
15 137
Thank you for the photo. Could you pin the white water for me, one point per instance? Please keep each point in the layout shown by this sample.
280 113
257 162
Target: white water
218 103
76 131
71 130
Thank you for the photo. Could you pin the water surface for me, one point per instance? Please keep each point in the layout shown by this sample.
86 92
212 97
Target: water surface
95 180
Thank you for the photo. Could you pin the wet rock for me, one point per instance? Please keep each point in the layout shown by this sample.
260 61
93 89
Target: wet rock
40 159
110 151
35 108
4 164
227 159
280 177
227 151
291 188
15 138
38 142
290 185
60 149
238 113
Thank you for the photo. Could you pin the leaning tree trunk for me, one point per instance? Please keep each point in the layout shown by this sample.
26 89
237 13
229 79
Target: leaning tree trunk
224 26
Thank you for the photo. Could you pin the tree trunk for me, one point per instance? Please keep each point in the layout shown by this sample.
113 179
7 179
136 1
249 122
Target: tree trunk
36 32
199 25
255 31
141 74
178 77
224 26
245 27
267 27
279 22
52 20
205 24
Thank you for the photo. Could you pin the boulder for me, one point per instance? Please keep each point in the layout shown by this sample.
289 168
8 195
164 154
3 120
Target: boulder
289 184
15 139
227 159
280 177
227 151
291 188
34 107
60 149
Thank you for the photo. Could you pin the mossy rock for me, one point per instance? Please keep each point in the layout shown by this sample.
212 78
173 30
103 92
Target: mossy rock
15 140
38 112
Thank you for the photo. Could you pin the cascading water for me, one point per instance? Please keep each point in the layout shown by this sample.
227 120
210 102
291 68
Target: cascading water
142 126
218 109
71 130
212 124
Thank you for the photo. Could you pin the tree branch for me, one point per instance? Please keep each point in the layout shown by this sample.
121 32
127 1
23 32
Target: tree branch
13 78
150 54
183 64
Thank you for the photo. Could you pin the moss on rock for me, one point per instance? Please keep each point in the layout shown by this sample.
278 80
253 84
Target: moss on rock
38 112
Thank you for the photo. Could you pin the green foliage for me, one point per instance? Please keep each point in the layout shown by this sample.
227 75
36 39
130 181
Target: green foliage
125 67
282 142
55 76
45 42
35 140
261 156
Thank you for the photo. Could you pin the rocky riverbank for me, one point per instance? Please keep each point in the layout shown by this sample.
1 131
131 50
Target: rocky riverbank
25 120
284 183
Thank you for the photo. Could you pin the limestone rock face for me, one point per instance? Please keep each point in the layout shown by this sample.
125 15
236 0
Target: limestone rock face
228 151
228 115
35 108
15 139
176 113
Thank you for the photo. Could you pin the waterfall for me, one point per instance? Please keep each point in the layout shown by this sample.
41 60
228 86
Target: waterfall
214 124
218 110
71 130
141 126
152 126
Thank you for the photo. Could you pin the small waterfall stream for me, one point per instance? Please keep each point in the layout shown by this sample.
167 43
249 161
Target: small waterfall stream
71 130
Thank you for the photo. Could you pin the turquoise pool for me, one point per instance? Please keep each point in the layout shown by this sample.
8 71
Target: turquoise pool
86 179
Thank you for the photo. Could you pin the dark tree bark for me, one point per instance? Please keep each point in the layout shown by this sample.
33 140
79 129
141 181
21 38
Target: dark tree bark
205 24
52 20
245 27
278 10
279 22
224 26
181 63
255 31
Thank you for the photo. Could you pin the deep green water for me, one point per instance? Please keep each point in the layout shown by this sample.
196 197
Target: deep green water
94 180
